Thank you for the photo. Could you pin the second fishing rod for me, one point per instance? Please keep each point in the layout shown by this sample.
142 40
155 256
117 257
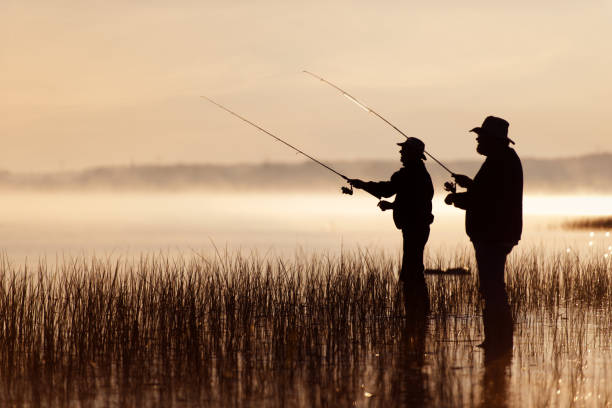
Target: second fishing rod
372 111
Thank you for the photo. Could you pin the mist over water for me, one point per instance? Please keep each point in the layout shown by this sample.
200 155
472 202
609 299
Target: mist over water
35 224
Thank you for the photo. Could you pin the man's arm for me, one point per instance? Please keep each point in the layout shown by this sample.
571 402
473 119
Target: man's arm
377 188
460 200
463 180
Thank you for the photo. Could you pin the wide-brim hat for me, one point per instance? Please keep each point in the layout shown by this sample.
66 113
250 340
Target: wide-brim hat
494 127
414 144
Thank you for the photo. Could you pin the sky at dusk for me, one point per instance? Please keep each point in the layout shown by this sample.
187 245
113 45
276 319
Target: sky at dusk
89 83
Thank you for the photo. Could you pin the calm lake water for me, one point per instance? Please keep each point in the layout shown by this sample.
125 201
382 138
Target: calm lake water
34 225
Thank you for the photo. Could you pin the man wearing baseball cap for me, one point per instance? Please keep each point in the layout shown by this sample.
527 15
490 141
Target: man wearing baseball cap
493 204
413 192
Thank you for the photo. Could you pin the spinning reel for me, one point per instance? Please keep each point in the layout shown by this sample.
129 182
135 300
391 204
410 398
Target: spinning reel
347 190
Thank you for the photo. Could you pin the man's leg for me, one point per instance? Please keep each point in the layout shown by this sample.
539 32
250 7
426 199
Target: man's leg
416 295
496 314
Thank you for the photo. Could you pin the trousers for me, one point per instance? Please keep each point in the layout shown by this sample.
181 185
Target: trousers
411 276
497 316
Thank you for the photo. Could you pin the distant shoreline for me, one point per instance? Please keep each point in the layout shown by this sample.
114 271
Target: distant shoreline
589 223
584 174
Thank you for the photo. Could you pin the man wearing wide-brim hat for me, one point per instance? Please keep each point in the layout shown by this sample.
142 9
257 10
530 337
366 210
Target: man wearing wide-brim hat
412 214
493 204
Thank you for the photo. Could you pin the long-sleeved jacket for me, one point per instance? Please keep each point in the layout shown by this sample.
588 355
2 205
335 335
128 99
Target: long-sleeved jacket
413 191
494 201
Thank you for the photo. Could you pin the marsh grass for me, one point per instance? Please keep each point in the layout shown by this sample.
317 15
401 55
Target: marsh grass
320 330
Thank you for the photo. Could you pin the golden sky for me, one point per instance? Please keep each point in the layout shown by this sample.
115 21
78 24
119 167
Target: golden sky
86 83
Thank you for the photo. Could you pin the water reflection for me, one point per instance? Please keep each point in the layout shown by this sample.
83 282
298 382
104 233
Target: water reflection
408 385
496 378
405 371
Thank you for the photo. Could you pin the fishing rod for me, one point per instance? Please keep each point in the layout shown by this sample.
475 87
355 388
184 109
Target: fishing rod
372 111
345 190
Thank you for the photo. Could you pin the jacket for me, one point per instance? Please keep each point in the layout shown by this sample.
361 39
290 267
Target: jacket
494 201
413 191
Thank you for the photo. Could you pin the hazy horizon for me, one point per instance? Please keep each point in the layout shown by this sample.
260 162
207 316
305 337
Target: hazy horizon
280 162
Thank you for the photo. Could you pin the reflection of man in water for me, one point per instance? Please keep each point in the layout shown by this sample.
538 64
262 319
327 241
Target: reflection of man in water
411 213
493 221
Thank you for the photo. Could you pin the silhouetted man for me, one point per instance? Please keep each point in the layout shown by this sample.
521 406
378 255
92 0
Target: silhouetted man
411 213
493 205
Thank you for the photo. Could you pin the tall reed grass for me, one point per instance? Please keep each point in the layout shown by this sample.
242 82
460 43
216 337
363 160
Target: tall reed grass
234 330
